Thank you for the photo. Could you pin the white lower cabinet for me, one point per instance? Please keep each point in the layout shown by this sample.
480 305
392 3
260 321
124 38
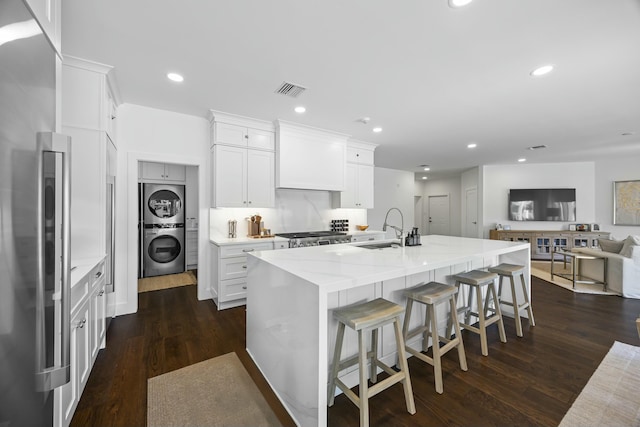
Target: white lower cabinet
192 249
229 276
88 333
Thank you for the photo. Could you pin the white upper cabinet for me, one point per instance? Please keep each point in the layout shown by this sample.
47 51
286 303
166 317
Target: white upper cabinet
152 171
358 191
47 13
309 158
242 161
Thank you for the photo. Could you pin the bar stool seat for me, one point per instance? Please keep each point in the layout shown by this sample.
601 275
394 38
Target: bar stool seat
511 271
476 280
365 317
431 294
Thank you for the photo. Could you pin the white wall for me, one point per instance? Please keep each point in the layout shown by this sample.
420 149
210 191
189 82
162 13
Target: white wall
147 134
608 171
392 188
499 179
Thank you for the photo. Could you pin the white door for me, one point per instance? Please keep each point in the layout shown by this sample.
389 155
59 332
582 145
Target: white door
439 215
471 214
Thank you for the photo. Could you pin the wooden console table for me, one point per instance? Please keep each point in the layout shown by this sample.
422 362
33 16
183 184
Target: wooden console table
545 242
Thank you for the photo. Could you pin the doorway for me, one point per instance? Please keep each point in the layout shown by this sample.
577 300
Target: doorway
471 213
439 215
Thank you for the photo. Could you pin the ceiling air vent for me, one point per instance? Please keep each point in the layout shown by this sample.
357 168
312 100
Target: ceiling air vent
290 89
537 147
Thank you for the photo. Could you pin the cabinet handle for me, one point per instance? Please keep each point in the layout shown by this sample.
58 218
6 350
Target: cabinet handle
244 266
81 323
244 287
101 293
98 274
249 201
246 137
248 250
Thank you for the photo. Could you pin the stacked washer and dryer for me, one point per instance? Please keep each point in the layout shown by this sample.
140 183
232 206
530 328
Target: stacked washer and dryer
162 232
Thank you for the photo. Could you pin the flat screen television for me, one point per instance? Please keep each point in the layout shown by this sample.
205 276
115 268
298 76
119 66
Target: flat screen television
542 204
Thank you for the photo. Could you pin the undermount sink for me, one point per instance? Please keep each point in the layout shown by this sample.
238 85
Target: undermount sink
380 245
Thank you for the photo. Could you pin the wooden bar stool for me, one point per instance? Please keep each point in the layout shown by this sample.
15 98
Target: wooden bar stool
511 271
365 317
476 280
431 295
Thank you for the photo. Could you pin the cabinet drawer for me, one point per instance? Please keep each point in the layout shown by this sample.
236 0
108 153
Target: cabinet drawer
96 273
232 289
235 250
233 268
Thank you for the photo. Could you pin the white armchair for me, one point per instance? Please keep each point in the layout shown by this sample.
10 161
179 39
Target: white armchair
623 272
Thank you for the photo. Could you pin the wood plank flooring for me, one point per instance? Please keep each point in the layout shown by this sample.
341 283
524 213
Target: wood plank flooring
527 381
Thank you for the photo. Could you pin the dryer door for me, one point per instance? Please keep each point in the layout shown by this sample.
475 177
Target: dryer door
164 251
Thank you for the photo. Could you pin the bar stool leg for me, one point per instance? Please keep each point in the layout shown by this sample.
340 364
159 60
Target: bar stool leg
335 366
435 345
373 374
481 324
516 306
364 386
532 321
492 289
404 366
454 318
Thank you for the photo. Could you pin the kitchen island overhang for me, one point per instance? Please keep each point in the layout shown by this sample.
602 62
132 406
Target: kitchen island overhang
291 292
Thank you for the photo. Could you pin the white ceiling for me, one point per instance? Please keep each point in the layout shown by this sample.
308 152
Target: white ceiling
434 78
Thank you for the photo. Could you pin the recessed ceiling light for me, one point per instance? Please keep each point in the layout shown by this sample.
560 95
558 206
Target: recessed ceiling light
377 130
522 160
472 145
300 109
541 71
459 3
427 168
424 177
175 77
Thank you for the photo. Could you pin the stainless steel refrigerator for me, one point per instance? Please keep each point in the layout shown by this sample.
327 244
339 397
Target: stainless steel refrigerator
34 225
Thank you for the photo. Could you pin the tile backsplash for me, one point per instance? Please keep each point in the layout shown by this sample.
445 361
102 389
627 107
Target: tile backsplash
296 210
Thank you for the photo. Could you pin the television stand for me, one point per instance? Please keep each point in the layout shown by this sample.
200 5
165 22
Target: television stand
545 242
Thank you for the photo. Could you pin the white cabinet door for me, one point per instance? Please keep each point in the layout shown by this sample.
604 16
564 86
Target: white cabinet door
365 187
229 176
230 134
260 179
83 342
98 323
359 188
175 172
151 170
261 139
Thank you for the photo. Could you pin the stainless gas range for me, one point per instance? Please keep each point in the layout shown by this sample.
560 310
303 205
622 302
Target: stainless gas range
315 238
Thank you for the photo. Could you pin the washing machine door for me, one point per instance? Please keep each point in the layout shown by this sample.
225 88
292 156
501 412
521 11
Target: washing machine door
163 204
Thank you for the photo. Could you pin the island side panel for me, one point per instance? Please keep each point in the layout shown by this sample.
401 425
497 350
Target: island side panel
284 332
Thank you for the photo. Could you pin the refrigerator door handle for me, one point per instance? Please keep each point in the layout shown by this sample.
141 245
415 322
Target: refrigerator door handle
53 327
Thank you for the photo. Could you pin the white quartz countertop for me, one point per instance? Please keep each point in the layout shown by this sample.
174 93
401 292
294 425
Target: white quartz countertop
80 268
337 267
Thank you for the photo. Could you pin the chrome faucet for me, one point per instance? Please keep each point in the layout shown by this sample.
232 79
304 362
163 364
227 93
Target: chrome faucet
400 230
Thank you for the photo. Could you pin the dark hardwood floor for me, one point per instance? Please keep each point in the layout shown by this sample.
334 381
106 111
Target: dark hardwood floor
527 381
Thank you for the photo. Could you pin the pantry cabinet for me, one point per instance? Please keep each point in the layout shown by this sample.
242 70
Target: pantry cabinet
359 173
242 161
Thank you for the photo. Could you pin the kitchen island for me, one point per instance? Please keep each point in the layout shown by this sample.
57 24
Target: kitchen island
291 294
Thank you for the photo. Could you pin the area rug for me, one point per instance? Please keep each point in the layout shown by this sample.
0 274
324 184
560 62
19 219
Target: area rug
610 398
166 282
216 392
542 270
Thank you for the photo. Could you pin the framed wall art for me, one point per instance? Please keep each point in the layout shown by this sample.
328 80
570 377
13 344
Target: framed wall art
626 202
